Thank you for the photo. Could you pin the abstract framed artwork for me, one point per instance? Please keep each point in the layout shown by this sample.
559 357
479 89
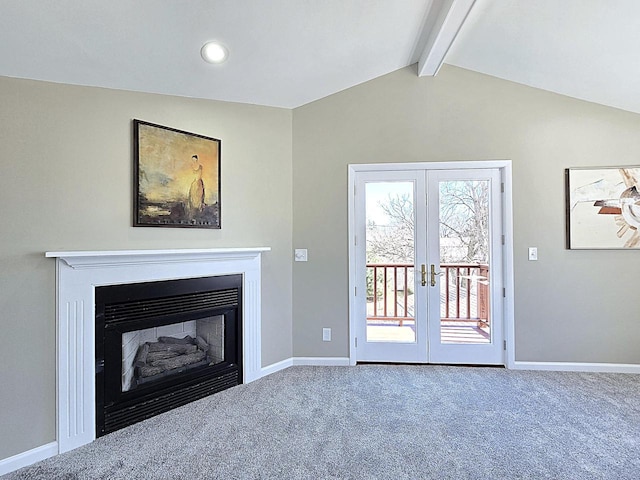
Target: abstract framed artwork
603 208
176 178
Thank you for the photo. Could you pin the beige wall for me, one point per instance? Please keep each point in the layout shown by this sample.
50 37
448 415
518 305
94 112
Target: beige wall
66 183
571 306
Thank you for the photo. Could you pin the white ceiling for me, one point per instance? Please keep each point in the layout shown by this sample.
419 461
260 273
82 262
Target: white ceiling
587 49
288 53
282 52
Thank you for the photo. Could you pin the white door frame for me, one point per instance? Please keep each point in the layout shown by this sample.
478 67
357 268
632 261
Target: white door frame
507 225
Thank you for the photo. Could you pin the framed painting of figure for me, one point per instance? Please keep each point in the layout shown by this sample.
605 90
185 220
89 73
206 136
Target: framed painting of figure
176 178
603 208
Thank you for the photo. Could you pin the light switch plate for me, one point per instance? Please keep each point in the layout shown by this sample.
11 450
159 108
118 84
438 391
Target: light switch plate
300 255
533 253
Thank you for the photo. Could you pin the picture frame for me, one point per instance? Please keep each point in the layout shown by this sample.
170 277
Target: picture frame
603 207
177 178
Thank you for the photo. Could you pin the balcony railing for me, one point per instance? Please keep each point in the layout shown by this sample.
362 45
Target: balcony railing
464 292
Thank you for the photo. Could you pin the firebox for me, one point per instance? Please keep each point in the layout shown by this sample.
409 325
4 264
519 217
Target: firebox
160 345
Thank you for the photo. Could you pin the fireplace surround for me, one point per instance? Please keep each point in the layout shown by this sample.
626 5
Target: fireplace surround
80 273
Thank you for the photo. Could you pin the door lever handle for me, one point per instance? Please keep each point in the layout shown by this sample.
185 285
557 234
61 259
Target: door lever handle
423 271
433 275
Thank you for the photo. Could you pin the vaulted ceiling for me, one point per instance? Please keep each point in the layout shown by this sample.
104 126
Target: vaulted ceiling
288 53
587 49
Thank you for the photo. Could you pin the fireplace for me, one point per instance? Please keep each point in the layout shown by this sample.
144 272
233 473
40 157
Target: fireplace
80 277
160 345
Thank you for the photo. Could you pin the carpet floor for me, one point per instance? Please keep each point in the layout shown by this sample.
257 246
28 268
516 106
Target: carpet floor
380 422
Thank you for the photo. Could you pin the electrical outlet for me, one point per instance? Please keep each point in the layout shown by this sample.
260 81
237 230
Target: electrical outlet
300 254
326 334
533 253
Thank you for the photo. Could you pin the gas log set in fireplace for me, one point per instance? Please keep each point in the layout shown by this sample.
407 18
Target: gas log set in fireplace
167 356
160 345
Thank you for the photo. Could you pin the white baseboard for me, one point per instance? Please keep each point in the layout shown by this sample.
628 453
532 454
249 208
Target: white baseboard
27 458
322 361
276 367
577 367
309 361
517 365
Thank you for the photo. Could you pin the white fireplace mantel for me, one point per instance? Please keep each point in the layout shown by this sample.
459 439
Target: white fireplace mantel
77 275
107 258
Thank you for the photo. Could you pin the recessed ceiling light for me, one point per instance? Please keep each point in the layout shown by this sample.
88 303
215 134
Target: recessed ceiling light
214 52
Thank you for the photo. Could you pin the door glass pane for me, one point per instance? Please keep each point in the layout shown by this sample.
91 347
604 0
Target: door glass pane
464 262
390 244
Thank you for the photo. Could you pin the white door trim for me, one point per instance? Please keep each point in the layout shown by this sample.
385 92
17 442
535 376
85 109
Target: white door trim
507 225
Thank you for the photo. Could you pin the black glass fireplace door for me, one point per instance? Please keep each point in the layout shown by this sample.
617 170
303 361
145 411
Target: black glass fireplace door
156 351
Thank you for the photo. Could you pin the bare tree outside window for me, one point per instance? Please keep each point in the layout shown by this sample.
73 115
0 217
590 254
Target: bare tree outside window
464 221
390 235
464 225
393 241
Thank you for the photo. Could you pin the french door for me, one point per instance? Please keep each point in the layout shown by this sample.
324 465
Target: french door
428 263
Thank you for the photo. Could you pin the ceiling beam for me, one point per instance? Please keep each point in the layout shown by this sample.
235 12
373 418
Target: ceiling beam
444 22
